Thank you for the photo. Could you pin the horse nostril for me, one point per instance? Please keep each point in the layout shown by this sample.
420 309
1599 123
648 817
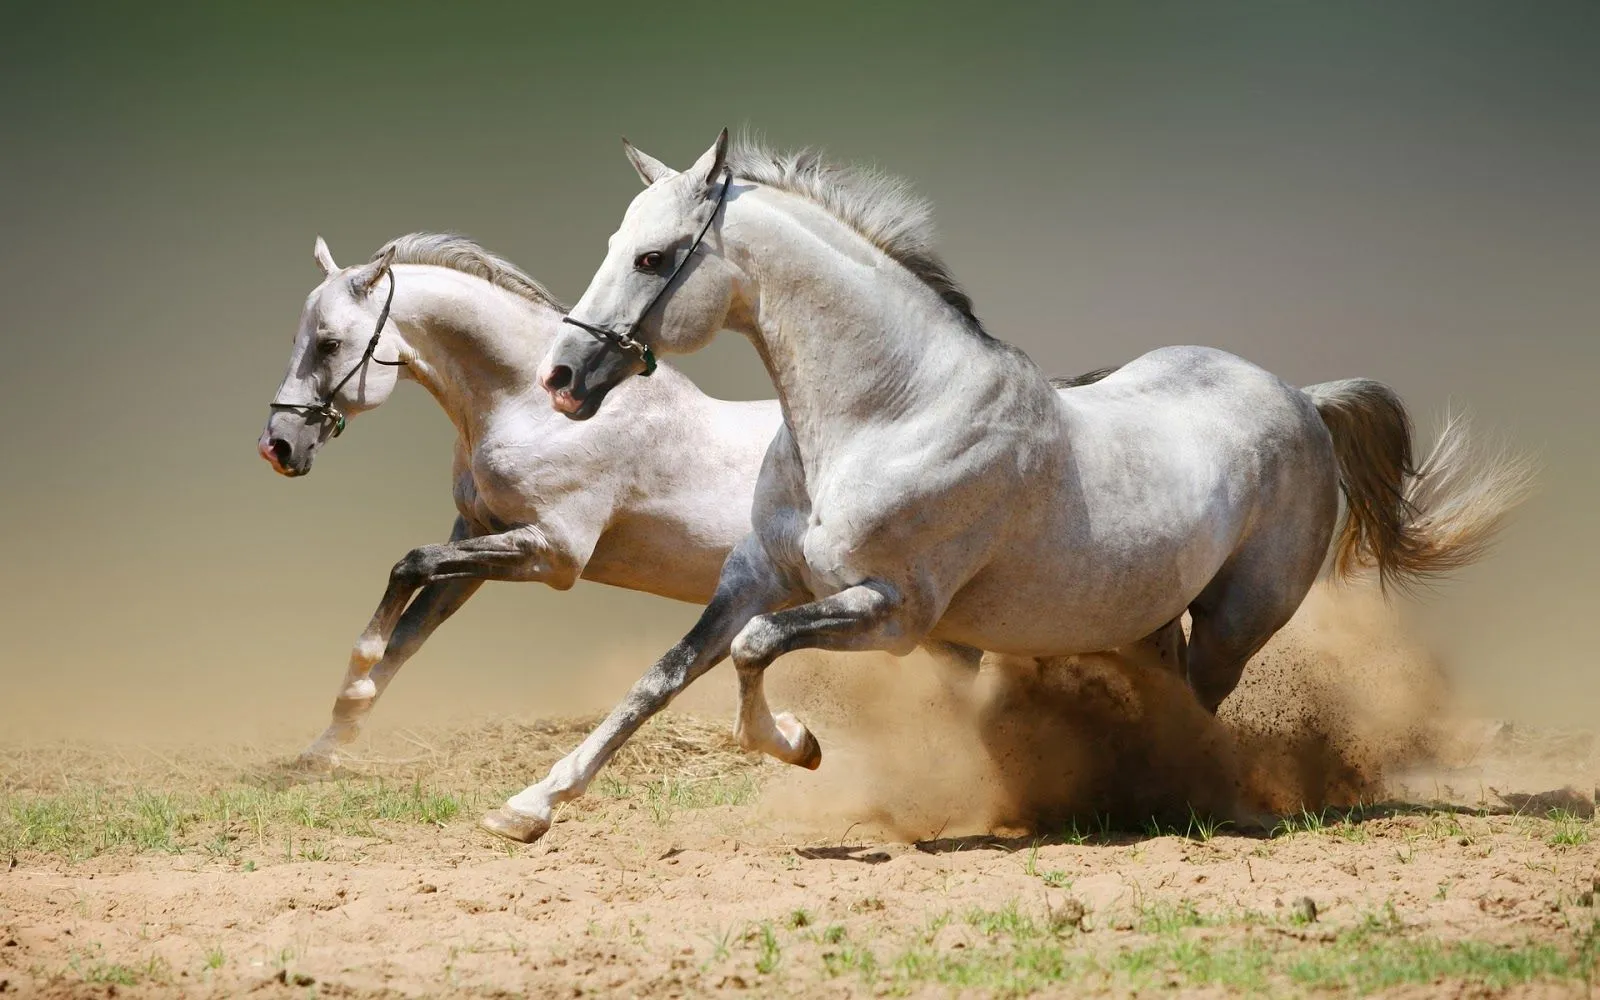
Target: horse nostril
281 451
558 378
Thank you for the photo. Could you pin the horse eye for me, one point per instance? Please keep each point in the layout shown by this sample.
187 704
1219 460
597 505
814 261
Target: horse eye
648 261
328 345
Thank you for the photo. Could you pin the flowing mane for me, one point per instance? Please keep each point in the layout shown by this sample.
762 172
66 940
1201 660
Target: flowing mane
461 254
881 207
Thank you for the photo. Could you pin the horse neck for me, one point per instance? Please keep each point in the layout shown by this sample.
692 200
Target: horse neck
474 346
847 335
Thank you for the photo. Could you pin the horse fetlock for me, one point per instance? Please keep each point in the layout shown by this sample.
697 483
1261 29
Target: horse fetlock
359 689
348 713
746 739
366 653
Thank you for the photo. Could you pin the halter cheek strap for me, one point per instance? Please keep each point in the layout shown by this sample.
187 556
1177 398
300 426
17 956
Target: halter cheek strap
324 408
625 340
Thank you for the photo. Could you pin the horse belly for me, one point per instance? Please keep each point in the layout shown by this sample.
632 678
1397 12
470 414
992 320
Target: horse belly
1100 576
673 565
1018 617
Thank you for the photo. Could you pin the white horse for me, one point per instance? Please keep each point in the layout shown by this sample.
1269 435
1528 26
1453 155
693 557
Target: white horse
652 496
929 484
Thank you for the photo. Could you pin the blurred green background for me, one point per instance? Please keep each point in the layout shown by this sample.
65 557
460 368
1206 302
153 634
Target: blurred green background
1404 191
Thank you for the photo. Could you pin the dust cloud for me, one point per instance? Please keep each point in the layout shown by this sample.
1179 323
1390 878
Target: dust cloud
1340 699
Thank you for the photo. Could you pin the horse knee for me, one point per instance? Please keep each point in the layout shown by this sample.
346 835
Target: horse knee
412 571
758 643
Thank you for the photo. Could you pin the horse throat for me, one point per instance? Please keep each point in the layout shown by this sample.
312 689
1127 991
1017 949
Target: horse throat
474 347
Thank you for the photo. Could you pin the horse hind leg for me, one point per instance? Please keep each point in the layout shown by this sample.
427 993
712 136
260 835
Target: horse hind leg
1261 585
1220 645
1253 597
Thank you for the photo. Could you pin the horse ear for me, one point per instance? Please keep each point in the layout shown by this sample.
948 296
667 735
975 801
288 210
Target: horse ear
648 167
709 167
324 257
366 278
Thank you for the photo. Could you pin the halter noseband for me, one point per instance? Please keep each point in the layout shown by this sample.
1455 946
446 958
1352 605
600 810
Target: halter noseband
624 340
325 408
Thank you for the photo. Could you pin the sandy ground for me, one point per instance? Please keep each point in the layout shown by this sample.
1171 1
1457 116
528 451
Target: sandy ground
1072 829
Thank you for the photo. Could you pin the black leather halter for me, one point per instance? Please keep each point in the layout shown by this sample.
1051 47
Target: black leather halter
624 340
325 408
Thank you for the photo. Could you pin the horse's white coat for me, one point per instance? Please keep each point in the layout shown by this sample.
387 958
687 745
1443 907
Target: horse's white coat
928 483
650 496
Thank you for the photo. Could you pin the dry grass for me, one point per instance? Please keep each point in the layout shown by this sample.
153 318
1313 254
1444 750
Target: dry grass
500 752
79 800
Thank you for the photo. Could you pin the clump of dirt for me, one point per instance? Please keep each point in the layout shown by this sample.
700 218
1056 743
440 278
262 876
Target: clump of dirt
1336 702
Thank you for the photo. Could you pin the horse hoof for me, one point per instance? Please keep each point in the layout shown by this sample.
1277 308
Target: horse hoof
314 762
810 753
514 825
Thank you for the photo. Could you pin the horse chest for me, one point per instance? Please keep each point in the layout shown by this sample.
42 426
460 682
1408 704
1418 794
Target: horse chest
499 486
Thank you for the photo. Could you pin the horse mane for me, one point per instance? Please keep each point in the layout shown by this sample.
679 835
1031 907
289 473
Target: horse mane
1077 381
880 207
458 253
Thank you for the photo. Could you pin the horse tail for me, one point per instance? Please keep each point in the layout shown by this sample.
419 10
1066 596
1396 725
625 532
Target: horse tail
1412 523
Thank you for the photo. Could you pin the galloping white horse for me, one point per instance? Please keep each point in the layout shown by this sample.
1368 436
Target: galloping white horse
652 496
929 484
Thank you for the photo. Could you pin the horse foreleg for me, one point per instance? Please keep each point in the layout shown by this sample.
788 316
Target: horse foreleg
747 587
865 616
523 553
433 605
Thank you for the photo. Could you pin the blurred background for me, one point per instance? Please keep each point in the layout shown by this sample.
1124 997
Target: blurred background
1403 191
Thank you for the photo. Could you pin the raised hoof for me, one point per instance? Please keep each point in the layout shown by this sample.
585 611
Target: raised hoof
514 825
810 753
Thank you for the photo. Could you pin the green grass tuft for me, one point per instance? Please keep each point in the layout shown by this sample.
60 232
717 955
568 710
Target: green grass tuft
1173 947
85 822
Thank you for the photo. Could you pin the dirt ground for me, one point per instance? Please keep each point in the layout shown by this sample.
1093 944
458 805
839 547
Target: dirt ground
1074 828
